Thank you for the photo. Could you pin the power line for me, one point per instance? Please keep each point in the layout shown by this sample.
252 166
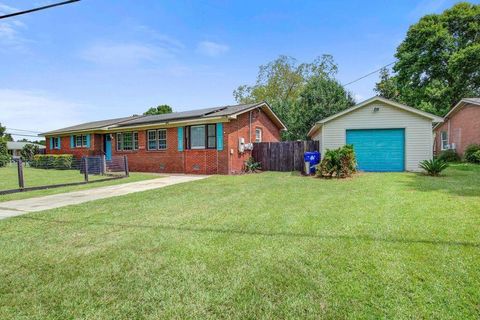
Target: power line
23 130
22 135
37 9
368 74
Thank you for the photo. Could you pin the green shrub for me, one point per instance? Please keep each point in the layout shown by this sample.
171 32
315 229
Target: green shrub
338 163
449 155
29 151
52 161
251 166
476 157
469 154
433 167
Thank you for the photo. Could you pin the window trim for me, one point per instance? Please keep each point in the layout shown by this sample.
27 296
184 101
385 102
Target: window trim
260 130
157 140
442 140
120 141
83 139
56 143
206 146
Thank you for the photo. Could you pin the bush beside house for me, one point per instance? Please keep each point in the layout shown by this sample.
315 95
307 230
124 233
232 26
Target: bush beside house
472 153
449 155
338 163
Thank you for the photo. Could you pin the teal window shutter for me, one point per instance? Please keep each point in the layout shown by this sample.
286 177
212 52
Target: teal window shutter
180 138
51 143
88 141
72 144
219 136
59 143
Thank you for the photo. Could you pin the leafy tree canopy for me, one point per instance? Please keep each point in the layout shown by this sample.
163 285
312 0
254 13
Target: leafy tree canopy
161 109
300 94
438 63
5 136
28 151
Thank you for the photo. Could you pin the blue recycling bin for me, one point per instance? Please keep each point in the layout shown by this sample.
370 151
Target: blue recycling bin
313 158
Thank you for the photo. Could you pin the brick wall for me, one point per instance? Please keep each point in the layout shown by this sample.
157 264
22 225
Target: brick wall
464 129
239 128
96 147
208 161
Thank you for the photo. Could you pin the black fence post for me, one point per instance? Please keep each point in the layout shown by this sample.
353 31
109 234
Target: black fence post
103 164
21 182
85 168
125 163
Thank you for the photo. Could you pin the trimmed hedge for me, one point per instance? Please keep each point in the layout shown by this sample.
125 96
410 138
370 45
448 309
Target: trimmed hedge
52 161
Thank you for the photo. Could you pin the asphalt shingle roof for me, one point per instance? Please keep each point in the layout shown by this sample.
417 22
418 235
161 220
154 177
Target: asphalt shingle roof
174 116
91 125
184 115
473 100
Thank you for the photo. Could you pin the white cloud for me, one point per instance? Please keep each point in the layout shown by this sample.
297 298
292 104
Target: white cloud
10 31
212 49
38 111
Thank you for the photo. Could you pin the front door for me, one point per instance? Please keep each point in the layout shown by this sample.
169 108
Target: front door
108 147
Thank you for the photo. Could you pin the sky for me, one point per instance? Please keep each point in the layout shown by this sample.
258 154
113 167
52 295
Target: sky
100 59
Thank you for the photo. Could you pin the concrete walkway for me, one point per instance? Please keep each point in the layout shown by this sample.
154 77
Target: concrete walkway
18 207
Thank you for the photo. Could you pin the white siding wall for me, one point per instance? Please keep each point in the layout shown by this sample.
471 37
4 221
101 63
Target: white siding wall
318 137
418 130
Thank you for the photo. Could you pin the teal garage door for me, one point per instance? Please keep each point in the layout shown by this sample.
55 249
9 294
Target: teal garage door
378 149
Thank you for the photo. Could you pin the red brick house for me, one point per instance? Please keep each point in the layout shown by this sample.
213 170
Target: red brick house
206 141
460 128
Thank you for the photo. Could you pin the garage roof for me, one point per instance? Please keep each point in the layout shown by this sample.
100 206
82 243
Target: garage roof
318 124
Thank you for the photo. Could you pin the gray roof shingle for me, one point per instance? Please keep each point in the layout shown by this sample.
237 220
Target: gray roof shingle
206 113
91 125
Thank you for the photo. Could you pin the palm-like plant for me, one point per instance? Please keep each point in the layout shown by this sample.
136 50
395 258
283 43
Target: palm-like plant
433 167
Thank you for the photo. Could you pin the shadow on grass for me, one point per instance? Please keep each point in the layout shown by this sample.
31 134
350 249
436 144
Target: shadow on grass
460 180
262 233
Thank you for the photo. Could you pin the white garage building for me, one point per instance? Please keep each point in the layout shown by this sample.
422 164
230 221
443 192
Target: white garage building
386 135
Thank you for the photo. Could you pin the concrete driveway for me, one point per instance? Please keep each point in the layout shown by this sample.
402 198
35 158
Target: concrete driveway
19 207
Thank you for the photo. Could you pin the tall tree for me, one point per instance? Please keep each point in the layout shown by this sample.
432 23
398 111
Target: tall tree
438 63
387 86
321 97
161 109
283 79
5 136
292 91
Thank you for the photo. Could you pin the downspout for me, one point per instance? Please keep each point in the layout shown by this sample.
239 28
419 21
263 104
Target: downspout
250 128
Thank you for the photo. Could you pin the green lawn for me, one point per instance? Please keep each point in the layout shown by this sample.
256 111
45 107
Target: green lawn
34 177
271 245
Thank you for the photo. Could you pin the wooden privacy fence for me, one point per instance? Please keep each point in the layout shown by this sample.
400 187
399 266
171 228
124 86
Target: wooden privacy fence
283 156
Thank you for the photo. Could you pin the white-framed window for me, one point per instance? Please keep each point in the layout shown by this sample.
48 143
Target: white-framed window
197 137
127 141
56 143
80 141
444 140
258 135
157 139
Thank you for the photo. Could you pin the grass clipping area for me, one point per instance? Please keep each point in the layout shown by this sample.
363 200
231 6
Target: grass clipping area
270 245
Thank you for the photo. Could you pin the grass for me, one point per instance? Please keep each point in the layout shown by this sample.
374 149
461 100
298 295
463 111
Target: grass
271 245
38 177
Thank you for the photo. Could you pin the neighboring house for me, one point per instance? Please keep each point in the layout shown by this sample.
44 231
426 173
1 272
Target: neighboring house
461 127
15 147
206 141
386 135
